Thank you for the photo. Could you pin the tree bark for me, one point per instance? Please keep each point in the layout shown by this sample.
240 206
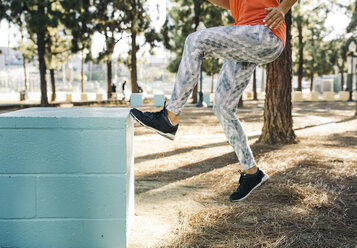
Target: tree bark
25 74
82 72
212 82
197 11
312 62
262 89
194 94
109 77
301 57
42 65
311 81
278 122
133 72
255 85
342 80
53 84
240 103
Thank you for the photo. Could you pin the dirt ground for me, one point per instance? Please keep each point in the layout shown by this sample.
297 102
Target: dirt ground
182 187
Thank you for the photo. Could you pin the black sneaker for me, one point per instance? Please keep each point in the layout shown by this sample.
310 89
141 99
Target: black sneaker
158 121
247 183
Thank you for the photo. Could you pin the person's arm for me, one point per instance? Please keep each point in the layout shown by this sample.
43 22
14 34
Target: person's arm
277 14
221 3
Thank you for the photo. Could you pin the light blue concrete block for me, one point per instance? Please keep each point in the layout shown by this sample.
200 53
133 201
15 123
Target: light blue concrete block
102 151
65 233
206 99
17 197
136 100
40 151
78 117
95 197
159 100
64 149
75 166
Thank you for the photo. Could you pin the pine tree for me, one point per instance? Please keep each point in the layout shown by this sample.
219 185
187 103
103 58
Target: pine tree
28 50
184 19
139 24
79 20
278 122
352 27
111 21
38 16
58 51
308 19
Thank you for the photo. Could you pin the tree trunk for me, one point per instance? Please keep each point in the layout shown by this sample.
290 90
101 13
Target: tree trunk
194 94
301 57
342 80
262 89
255 85
278 122
312 62
82 72
25 74
133 72
53 84
197 11
109 77
240 103
212 82
311 81
41 46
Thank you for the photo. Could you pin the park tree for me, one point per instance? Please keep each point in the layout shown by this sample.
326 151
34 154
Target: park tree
183 19
316 59
27 48
139 24
309 31
211 66
58 51
111 21
39 16
278 122
337 50
352 26
79 23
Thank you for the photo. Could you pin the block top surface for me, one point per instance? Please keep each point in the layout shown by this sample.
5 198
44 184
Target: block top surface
77 117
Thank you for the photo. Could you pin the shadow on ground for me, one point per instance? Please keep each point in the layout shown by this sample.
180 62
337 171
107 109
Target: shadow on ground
307 205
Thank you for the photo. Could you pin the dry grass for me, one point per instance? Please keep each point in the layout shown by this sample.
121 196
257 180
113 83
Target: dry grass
309 201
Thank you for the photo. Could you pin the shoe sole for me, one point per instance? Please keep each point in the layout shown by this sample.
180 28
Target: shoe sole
166 135
266 177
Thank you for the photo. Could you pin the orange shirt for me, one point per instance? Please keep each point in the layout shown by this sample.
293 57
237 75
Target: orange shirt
251 12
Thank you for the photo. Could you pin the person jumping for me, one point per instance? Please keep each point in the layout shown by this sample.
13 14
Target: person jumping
257 37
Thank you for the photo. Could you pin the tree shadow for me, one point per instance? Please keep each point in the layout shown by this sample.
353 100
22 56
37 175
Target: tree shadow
345 139
177 151
197 168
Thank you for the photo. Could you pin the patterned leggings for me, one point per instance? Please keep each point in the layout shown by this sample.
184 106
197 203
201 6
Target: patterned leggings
242 48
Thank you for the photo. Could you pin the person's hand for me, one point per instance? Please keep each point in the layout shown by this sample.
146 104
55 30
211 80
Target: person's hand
275 17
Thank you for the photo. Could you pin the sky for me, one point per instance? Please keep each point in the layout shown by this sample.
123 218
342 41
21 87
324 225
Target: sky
337 21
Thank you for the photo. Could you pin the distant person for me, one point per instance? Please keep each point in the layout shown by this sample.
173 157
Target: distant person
256 37
140 90
123 89
114 88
